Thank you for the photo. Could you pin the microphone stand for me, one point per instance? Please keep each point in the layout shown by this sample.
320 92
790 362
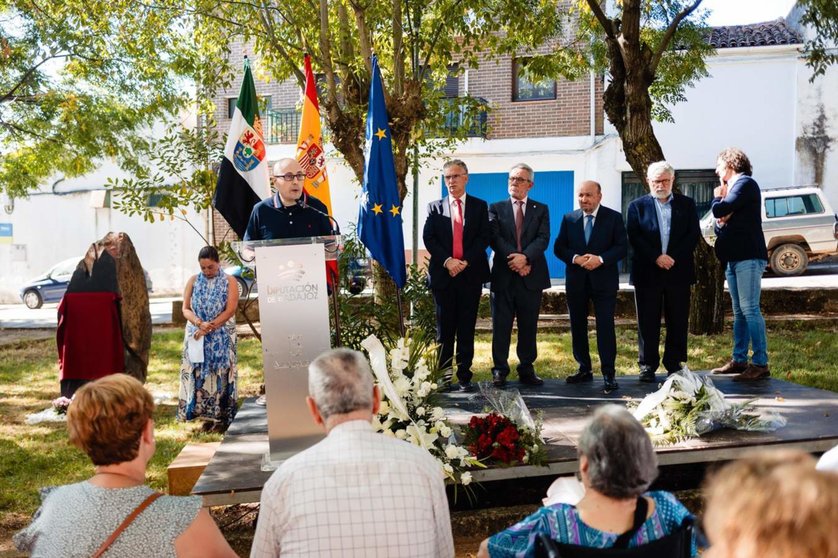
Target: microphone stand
302 201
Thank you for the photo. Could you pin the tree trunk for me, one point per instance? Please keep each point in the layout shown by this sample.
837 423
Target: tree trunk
628 105
707 304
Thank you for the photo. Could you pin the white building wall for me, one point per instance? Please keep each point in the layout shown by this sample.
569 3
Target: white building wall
816 131
748 101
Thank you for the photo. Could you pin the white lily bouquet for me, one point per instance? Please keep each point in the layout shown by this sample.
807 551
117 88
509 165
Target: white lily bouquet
688 405
407 411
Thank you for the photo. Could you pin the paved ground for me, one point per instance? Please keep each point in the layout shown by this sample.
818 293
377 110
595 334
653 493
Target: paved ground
17 316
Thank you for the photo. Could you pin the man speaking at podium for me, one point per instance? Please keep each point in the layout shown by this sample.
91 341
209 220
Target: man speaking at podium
290 212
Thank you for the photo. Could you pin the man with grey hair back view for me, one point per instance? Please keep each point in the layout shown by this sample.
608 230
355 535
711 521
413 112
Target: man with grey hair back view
357 492
663 230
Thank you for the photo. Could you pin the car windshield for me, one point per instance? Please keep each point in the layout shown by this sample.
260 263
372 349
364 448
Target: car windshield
65 268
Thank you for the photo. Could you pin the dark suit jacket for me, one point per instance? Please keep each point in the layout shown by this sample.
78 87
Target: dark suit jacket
438 235
608 240
535 237
741 237
644 235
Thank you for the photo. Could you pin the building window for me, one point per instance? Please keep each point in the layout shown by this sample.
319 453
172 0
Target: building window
264 105
525 90
451 89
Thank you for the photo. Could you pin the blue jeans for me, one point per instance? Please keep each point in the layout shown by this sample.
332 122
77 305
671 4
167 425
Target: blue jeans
744 279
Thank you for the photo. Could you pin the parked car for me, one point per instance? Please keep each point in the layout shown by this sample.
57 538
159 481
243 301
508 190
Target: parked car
245 279
799 227
52 285
359 270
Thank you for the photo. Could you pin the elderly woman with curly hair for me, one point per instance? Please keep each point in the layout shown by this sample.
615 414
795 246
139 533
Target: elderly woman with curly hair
772 504
110 420
617 465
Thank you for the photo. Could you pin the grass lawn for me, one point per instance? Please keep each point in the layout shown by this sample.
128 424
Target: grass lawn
39 455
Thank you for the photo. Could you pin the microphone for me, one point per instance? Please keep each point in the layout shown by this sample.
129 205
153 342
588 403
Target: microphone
302 201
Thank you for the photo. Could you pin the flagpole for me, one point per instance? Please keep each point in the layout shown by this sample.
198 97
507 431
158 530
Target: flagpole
401 311
415 257
335 304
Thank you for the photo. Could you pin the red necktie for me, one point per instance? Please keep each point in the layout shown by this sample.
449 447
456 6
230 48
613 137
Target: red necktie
458 230
519 221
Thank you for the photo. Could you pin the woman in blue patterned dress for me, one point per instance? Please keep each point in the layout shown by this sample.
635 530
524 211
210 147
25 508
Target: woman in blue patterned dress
208 376
617 464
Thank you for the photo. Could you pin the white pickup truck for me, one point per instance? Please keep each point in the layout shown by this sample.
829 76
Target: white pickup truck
799 226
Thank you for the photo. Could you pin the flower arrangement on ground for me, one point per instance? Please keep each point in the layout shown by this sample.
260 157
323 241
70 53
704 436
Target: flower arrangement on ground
408 385
508 435
688 405
61 404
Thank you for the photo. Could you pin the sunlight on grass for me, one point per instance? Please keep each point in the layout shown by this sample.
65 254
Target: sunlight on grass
35 456
39 455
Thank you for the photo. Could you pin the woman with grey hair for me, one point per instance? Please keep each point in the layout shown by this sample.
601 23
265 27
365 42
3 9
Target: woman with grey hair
617 465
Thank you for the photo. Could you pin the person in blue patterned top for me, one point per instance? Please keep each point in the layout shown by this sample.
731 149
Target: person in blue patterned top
208 368
617 464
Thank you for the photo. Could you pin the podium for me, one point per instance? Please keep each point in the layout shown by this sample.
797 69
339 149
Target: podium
294 314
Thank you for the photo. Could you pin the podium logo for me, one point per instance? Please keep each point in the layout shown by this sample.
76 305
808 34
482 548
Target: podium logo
290 284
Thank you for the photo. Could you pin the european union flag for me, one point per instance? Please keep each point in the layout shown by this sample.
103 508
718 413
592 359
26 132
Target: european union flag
380 218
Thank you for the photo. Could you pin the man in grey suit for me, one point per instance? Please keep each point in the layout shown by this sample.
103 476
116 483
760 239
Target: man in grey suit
591 241
519 234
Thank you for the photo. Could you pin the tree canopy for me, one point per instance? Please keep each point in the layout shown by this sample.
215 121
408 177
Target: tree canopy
84 80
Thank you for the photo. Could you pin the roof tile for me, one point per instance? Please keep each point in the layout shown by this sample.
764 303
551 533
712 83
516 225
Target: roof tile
767 33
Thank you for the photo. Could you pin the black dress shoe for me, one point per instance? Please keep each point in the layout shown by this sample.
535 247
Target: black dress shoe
580 377
647 375
466 387
530 379
610 385
498 379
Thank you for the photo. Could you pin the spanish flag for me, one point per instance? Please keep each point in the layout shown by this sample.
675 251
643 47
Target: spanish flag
310 152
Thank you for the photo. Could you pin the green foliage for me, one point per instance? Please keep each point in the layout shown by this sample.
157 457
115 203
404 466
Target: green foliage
819 46
175 176
365 314
578 45
81 81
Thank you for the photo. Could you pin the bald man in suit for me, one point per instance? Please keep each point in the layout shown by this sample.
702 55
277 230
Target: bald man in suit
592 239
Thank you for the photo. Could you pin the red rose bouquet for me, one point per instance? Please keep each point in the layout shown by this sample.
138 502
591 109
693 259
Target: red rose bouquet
495 437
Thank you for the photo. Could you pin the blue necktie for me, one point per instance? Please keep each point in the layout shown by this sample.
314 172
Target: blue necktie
589 226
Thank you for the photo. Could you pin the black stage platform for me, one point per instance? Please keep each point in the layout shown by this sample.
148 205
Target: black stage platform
234 474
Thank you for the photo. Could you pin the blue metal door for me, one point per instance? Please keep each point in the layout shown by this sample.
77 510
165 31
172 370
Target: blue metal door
554 188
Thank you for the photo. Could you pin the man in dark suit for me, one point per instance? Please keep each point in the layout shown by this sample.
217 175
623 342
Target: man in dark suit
456 234
591 241
740 246
663 229
520 233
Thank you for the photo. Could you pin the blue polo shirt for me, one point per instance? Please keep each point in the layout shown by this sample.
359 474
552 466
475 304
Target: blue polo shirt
271 220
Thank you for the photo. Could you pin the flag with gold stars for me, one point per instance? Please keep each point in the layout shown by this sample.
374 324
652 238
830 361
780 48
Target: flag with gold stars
380 217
